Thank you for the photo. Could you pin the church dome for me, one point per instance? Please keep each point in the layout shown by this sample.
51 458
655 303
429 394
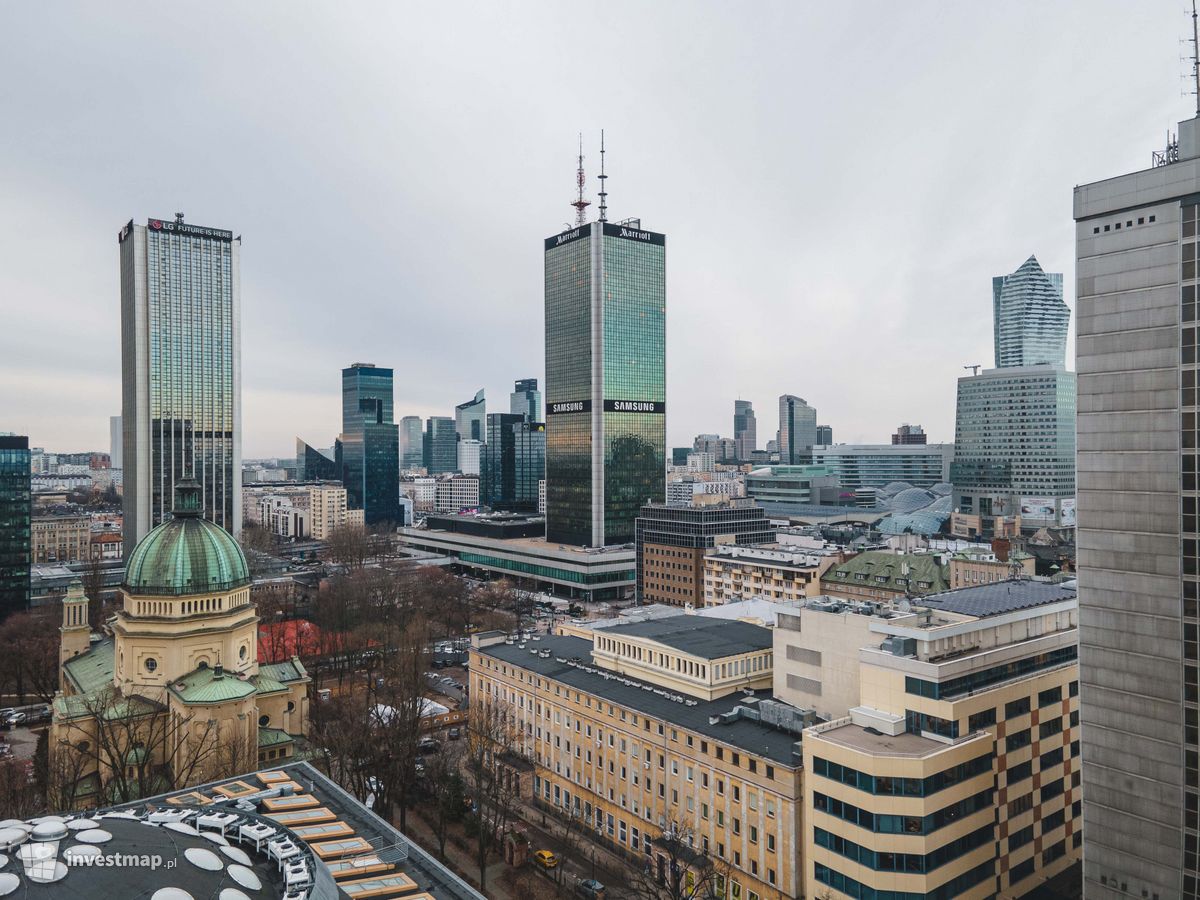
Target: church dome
187 554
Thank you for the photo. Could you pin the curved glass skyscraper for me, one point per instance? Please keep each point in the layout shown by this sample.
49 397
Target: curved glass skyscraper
1029 317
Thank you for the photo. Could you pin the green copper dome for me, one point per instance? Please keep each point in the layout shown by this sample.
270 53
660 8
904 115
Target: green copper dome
186 555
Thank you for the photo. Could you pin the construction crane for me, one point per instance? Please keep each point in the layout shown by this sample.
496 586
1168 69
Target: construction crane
974 369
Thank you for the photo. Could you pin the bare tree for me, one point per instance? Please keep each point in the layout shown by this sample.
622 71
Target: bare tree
493 781
93 588
259 546
446 790
20 797
676 869
349 546
29 665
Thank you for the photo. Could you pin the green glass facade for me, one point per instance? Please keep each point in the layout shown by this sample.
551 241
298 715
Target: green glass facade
605 381
370 444
15 524
514 460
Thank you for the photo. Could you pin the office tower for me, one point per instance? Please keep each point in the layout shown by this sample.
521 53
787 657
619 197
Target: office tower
526 400
824 435
1136 287
114 441
181 371
514 462
745 430
679 455
797 430
1014 451
370 443
16 514
909 434
412 455
876 465
470 454
673 538
315 465
1029 317
439 445
605 381
469 418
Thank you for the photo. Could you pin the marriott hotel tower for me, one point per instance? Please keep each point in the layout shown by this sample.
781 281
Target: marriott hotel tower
605 381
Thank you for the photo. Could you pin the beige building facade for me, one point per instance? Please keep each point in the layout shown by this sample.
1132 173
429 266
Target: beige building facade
733 573
61 539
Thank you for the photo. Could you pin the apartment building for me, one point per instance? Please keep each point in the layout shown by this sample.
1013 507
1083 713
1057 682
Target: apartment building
978 566
327 510
957 774
656 726
733 573
62 539
880 575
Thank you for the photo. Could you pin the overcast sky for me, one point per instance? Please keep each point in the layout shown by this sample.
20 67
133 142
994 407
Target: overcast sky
838 183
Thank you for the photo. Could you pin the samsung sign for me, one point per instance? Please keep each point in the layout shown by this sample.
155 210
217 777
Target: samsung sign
635 406
569 406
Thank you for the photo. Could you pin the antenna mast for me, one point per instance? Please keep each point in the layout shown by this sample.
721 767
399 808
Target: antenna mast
1196 57
580 204
603 183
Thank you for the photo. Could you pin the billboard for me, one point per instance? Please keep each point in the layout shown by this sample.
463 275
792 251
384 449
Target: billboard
1068 512
1039 508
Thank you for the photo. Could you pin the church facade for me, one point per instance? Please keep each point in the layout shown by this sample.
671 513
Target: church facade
172 693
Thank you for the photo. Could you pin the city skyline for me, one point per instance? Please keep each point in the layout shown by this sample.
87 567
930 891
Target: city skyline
402 270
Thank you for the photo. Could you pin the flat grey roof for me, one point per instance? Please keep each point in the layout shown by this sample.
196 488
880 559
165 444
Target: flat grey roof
699 635
999 597
563 666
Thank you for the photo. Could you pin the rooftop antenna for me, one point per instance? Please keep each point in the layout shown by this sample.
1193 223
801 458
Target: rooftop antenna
1196 57
974 369
580 204
603 192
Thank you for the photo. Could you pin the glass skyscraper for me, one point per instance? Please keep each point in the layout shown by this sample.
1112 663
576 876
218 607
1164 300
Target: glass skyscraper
514 462
1029 317
313 465
370 443
439 445
411 444
745 429
15 524
469 418
797 430
526 400
605 381
181 371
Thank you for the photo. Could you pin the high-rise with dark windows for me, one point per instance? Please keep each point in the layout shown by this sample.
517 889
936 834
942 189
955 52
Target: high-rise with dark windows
315 465
411 444
526 400
469 418
514 462
439 445
1137 238
605 381
15 524
181 369
797 430
745 429
370 443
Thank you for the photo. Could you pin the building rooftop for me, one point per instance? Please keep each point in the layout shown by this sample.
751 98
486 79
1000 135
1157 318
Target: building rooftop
700 636
1001 597
905 744
568 661
919 573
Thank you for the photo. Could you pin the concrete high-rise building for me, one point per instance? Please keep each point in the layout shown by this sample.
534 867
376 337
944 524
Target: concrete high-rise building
909 434
469 418
370 443
1136 291
470 456
514 462
1029 317
745 429
411 444
1014 451
439 445
115 441
605 381
797 430
181 371
16 517
526 400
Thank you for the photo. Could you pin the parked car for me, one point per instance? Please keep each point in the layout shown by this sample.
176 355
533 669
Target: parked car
590 889
17 718
454 734
545 859
428 745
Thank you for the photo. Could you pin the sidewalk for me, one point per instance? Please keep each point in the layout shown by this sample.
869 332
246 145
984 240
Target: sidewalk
458 860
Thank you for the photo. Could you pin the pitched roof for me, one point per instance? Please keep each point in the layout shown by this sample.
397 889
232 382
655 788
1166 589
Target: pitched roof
91 670
204 686
891 567
1001 597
